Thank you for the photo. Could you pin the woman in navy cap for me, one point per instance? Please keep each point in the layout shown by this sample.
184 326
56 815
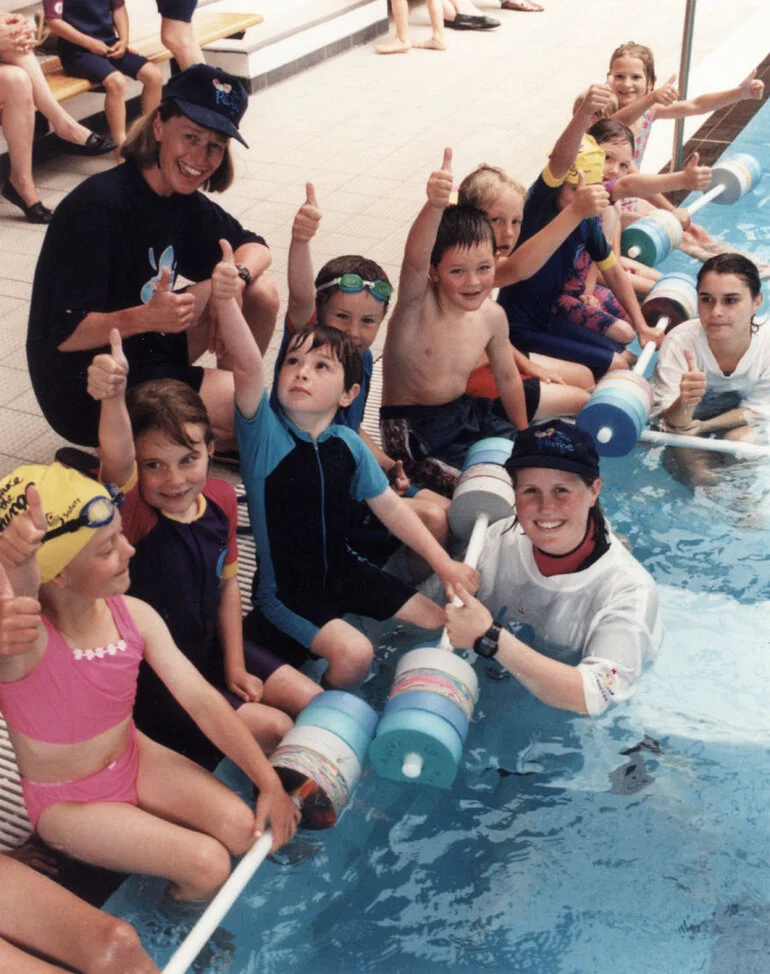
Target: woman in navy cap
117 245
559 569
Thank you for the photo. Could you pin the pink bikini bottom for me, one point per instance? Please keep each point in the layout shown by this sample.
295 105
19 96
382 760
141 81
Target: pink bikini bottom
115 783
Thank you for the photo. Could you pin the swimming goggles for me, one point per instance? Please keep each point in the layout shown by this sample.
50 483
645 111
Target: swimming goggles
353 283
96 513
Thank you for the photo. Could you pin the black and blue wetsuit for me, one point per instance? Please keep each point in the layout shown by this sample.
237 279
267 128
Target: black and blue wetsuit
298 492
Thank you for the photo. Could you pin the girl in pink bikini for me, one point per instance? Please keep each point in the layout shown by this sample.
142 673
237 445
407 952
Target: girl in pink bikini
94 786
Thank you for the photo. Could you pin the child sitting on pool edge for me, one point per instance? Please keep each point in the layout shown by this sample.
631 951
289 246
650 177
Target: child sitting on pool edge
299 471
441 325
183 525
352 293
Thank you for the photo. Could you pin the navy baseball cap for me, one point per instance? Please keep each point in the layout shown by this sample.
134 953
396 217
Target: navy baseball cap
210 97
556 445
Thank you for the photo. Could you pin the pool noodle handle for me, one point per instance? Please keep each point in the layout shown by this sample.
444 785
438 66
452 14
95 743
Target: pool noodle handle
633 252
413 763
605 433
196 940
734 448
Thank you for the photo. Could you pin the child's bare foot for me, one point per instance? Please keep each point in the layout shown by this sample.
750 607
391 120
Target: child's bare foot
431 44
393 46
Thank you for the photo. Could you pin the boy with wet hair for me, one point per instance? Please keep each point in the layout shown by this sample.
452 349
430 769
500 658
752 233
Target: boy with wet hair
300 469
441 325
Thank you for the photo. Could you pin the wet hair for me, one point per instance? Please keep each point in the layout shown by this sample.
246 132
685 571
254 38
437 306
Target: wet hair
167 406
609 109
739 265
640 51
463 227
341 346
484 185
369 270
611 130
143 148
733 264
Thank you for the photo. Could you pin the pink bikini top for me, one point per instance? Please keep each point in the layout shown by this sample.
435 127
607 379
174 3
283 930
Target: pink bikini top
73 695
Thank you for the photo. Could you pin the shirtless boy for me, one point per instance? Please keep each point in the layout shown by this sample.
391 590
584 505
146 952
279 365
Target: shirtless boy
440 327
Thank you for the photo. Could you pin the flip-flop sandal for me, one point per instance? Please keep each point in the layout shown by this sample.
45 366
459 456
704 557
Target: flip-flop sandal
522 6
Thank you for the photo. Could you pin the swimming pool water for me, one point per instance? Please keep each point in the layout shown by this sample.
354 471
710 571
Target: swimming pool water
635 843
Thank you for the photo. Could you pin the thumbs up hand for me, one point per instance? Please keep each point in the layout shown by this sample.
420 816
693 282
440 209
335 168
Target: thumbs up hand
752 87
22 537
692 385
225 282
696 177
108 372
440 183
667 94
19 619
589 200
308 217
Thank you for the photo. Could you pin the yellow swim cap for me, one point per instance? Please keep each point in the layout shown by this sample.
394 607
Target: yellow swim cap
589 161
64 493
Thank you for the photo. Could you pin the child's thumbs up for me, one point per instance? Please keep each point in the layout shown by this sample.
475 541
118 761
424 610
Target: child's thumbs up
227 251
308 217
116 350
440 183
310 196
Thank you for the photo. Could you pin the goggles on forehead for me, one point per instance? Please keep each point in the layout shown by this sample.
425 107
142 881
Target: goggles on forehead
353 283
96 513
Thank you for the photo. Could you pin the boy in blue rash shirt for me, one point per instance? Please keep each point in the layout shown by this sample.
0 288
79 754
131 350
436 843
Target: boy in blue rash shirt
527 304
299 470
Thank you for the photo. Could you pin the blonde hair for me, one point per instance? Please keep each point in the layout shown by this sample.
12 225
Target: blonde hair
640 51
143 148
608 112
483 186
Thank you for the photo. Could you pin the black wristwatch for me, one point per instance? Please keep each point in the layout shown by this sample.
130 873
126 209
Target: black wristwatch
244 273
486 645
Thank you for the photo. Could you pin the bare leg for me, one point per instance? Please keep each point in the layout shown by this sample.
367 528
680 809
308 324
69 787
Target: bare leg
217 391
37 913
267 725
213 824
178 37
420 611
436 41
558 400
348 651
152 80
571 372
63 124
400 43
18 128
289 690
115 105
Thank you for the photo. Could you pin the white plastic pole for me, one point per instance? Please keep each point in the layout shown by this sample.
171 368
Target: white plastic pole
196 940
735 448
644 359
633 252
706 198
472 555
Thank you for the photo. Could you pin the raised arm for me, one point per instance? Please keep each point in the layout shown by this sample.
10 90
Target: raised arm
507 378
527 259
693 177
301 280
567 145
107 376
422 237
750 87
236 336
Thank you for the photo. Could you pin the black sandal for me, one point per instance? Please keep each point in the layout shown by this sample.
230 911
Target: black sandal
33 212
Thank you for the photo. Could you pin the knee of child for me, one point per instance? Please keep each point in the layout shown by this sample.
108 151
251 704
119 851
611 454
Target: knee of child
236 828
435 520
275 727
115 83
351 661
208 864
118 946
